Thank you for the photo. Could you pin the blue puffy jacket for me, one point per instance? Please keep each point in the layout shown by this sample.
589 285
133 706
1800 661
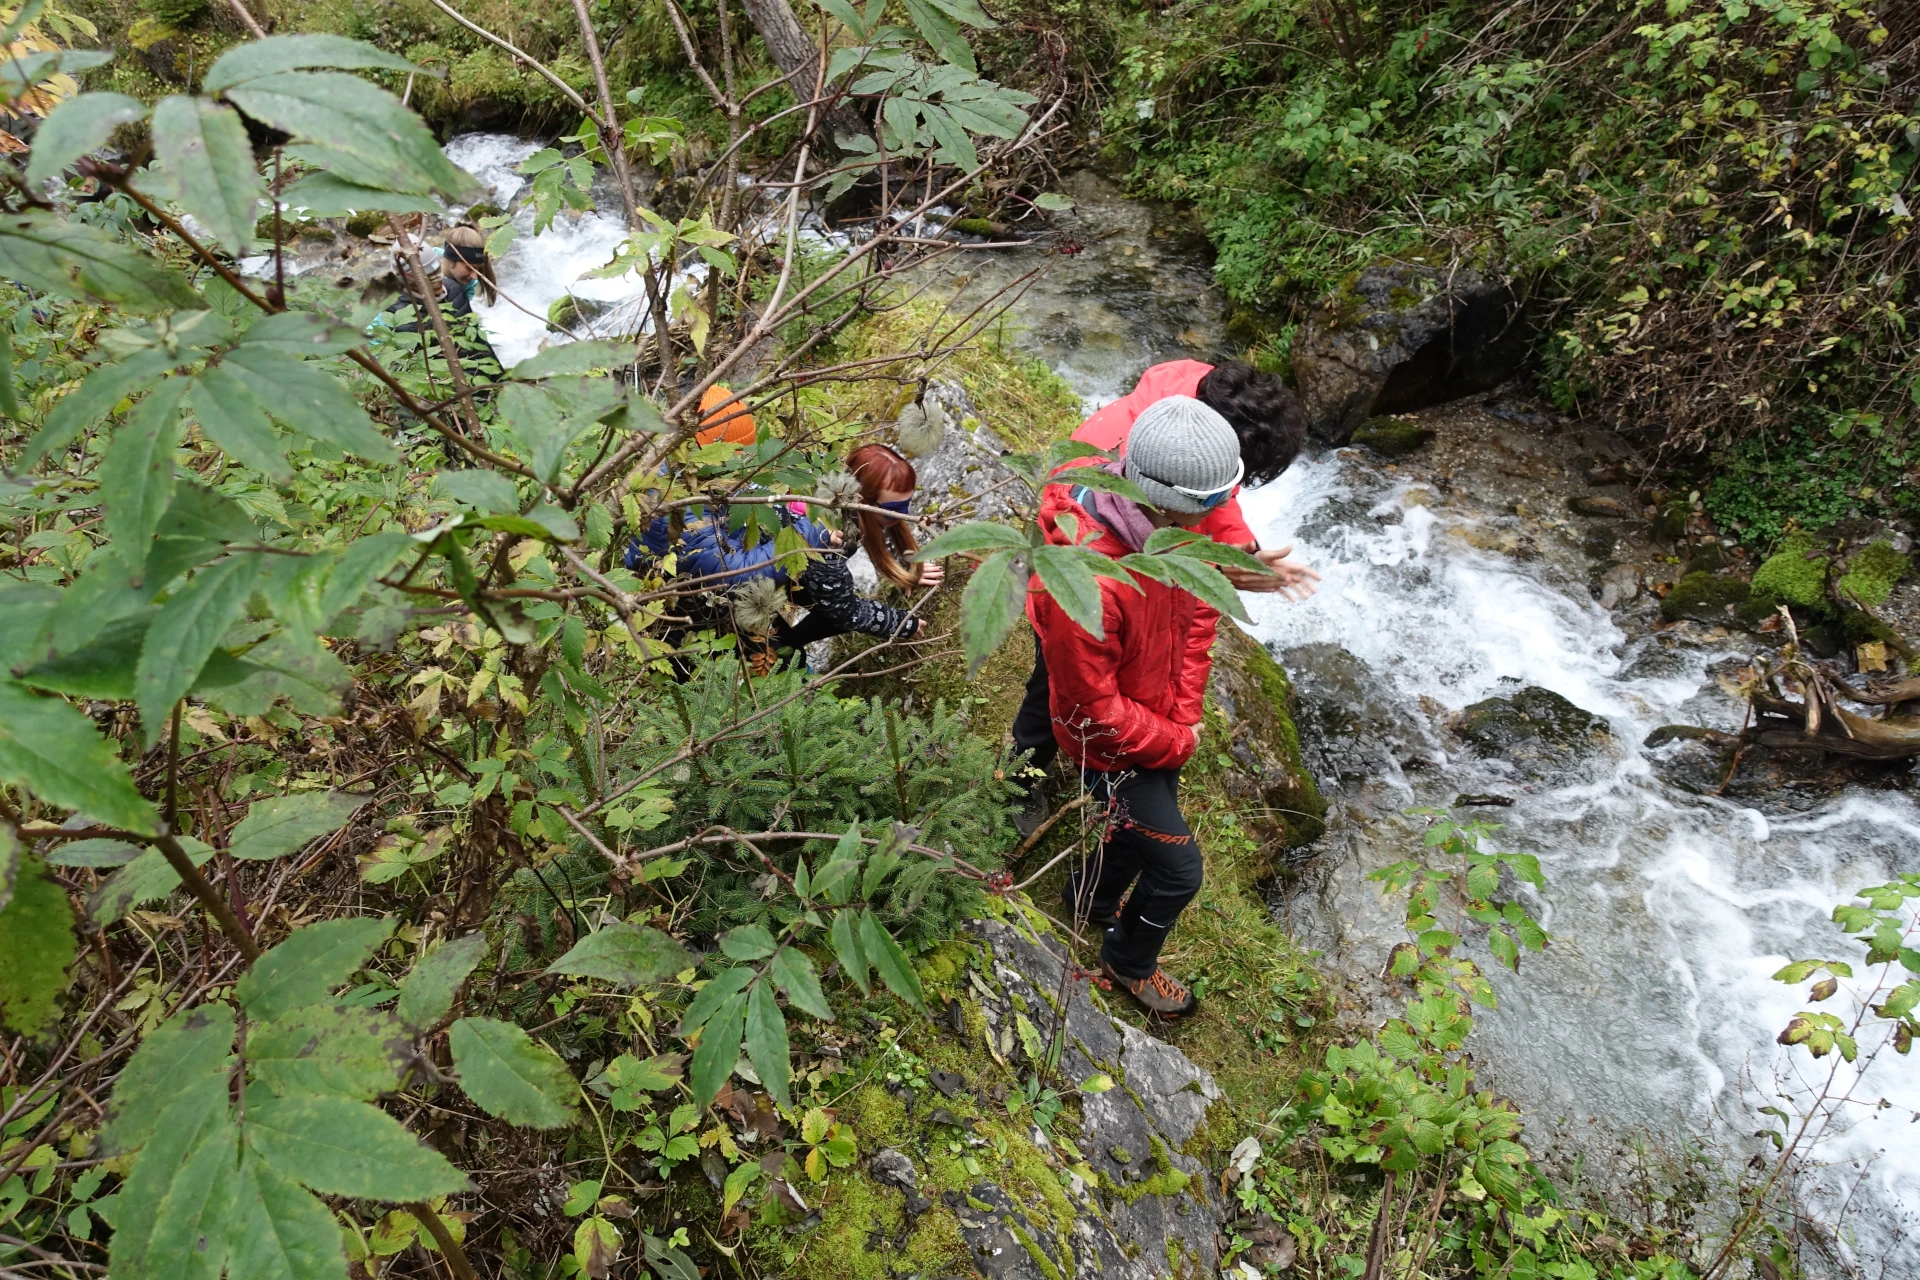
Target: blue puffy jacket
708 547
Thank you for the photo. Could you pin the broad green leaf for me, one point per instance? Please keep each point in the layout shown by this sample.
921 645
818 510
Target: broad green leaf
99 854
328 195
275 54
991 606
233 418
541 427
77 127
847 949
21 71
574 357
1106 481
186 1052
354 128
87 264
478 488
719 1048
978 536
889 961
25 608
511 1075
1174 540
309 964
206 167
200 513
93 400
148 878
364 560
52 750
748 942
624 954
333 1049
942 34
766 1030
1203 580
36 939
667 1261
967 11
428 992
278 1231
1053 202
633 1076
302 333
105 667
310 678
737 1183
308 399
136 476
340 1147
183 636
596 1244
545 522
279 826
793 969
724 985
1068 578
173 1212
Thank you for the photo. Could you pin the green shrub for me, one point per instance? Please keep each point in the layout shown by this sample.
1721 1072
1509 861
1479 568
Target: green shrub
1793 575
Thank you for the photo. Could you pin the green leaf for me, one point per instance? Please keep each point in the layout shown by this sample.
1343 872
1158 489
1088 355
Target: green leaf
311 679
87 264
364 560
232 418
574 357
173 1210
941 33
275 54
52 750
278 1231
1107 482
793 969
427 994
967 11
846 947
354 128
1068 578
480 489
1177 541
36 939
22 71
889 961
1203 580
624 954
9 864
186 1052
766 1030
978 536
719 1047
310 963
335 1049
206 167
279 826
737 1183
99 854
184 634
340 1147
1053 202
136 476
511 1075
547 522
541 427
302 333
724 985
148 878
308 399
748 942
992 604
328 195
77 127
93 400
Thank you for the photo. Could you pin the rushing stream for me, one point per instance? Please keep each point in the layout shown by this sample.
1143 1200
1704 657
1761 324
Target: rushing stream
1652 1017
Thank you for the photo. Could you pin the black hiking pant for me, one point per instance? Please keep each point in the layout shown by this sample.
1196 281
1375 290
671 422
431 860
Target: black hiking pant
1033 723
1149 849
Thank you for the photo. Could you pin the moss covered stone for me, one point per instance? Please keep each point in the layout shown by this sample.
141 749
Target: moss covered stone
1249 744
1794 574
1392 437
1871 574
1704 597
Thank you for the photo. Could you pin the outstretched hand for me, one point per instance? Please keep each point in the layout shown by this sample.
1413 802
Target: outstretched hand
1294 581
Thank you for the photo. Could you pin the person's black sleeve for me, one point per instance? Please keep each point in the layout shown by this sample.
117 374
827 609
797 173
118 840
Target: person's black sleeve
829 585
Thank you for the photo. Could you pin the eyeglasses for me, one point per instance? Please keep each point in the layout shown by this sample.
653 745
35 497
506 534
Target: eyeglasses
1209 498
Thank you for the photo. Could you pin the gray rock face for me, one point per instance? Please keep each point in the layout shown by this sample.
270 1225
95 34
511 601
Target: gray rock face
1403 336
1154 1214
1535 729
965 477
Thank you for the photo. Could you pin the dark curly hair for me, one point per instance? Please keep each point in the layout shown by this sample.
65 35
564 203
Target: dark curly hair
1263 412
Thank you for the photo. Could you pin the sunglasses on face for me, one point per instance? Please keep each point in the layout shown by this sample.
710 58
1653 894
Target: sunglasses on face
1209 498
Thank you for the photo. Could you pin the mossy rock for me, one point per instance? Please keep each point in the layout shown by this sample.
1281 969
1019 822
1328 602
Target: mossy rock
971 226
365 224
1249 742
1536 729
1871 574
1392 437
1794 574
483 210
1704 597
1670 523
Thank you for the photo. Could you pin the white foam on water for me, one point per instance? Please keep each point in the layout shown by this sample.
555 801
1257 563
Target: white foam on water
1671 911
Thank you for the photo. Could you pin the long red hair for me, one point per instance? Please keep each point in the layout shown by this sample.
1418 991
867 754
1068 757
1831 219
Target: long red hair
888 542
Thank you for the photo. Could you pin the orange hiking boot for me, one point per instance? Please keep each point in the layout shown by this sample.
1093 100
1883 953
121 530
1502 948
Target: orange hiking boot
1161 995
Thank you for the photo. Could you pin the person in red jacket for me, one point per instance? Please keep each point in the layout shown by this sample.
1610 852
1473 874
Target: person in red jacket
1271 429
1126 706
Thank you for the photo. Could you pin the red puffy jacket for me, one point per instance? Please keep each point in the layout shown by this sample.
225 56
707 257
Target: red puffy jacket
1108 429
1127 701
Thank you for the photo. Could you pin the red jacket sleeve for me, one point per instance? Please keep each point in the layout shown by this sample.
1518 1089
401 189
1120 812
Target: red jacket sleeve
1092 720
1226 524
1190 682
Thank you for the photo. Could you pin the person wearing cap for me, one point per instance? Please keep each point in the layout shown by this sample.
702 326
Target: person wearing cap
464 270
1126 706
1267 421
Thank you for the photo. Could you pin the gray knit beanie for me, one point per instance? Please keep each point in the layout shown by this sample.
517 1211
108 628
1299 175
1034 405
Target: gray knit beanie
1181 442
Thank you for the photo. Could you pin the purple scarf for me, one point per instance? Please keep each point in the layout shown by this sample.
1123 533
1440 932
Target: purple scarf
1125 518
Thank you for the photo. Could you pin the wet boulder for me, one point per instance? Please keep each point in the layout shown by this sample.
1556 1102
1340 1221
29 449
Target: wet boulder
1392 437
1250 739
1535 729
1401 336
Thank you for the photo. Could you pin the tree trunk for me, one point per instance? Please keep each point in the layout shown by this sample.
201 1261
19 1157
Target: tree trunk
798 58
